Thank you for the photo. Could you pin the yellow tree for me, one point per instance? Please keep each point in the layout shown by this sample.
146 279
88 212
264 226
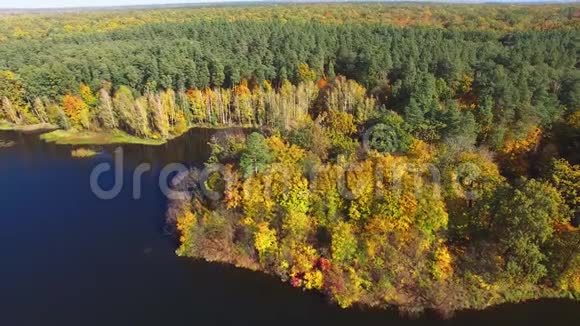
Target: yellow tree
168 105
87 95
105 111
243 103
132 113
76 110
40 110
12 95
305 73
265 241
197 104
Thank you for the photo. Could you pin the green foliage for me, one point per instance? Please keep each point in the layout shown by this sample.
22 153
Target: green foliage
449 83
312 137
256 155
525 221
566 179
390 135
226 147
564 260
532 210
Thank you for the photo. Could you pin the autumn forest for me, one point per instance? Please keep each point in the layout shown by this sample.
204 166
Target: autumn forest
416 156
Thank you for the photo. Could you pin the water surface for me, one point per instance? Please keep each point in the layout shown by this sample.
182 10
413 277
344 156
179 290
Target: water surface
69 258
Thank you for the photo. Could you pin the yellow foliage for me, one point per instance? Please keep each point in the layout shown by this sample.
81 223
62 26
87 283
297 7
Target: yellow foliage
267 86
390 168
481 282
472 171
409 203
298 225
341 123
421 151
442 268
465 83
303 258
344 242
284 265
87 95
248 221
196 100
83 152
515 147
168 105
574 120
354 288
233 193
325 189
570 279
313 280
361 184
181 125
265 239
285 154
77 110
185 220
186 224
256 200
305 73
242 89
19 33
9 75
379 226
287 170
350 97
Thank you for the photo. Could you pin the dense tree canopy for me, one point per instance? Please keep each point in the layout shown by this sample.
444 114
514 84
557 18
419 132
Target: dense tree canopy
448 83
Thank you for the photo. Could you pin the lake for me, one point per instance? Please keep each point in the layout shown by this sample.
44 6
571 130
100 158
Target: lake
70 258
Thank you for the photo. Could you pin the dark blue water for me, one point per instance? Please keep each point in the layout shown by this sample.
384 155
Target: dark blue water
69 258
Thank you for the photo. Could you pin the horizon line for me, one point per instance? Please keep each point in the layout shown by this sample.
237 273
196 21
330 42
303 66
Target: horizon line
162 4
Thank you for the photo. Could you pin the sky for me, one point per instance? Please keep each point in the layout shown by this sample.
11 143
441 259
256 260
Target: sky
88 3
99 3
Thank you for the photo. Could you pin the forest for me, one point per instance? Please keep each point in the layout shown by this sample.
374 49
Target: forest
417 156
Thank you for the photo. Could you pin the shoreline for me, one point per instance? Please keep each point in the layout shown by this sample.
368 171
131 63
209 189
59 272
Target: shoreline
53 134
404 309
6 126
67 137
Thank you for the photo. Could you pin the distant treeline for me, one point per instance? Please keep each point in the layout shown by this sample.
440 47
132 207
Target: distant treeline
500 17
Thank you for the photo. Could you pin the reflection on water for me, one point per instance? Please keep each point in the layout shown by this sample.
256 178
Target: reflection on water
69 258
190 148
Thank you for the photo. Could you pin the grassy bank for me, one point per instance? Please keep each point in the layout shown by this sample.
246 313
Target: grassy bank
85 137
83 152
6 126
71 137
